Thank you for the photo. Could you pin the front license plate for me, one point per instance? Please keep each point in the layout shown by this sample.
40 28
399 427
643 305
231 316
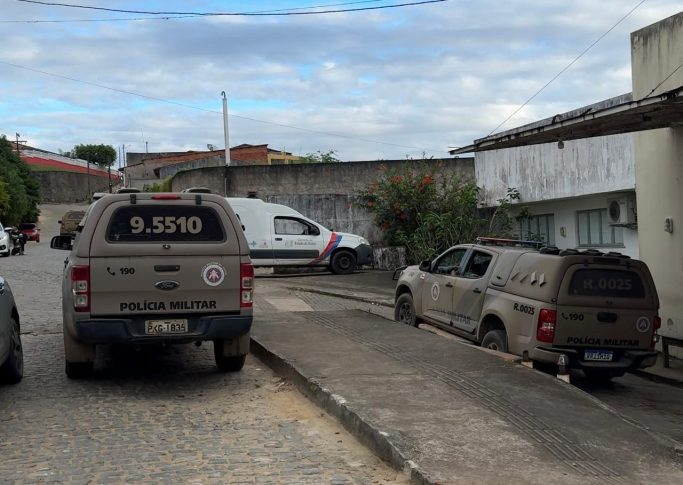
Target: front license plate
605 355
158 327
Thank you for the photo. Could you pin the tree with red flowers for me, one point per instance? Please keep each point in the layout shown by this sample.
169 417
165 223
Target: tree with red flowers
424 209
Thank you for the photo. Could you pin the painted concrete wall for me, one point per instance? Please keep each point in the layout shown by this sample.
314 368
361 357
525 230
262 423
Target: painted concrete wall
656 52
543 172
564 212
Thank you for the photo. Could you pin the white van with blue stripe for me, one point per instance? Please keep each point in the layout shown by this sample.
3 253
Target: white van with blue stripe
280 236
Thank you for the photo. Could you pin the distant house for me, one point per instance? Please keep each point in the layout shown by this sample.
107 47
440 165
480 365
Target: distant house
148 168
43 160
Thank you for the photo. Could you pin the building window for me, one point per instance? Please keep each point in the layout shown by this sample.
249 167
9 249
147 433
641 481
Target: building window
538 228
594 229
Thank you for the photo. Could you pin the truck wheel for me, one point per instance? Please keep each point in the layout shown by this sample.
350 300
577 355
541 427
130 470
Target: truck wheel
343 262
601 375
495 340
404 311
230 364
79 370
12 370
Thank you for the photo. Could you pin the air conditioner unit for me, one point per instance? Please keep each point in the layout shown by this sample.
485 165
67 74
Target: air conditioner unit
621 211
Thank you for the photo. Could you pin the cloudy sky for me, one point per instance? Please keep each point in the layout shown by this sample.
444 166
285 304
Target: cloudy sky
374 84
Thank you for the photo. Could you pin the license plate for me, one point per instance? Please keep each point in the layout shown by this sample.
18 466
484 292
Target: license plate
605 355
158 327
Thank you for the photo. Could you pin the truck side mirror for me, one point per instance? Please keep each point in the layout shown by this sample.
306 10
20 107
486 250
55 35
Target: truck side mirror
61 242
426 265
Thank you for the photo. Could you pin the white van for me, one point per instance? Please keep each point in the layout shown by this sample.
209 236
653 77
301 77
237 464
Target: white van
280 236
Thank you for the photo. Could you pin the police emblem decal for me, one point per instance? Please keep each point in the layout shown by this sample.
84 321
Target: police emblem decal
643 324
213 274
435 291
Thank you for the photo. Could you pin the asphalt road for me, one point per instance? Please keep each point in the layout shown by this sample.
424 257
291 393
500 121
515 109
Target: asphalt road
158 415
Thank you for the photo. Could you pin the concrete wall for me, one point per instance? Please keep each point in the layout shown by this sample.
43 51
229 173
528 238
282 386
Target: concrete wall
656 52
171 170
542 172
67 187
324 192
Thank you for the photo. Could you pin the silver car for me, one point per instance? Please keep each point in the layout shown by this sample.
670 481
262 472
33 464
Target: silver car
11 352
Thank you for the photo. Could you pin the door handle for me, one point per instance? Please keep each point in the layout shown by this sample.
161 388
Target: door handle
278 239
477 290
449 285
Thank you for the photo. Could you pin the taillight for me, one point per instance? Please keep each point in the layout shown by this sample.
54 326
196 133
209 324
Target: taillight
246 285
80 287
166 197
656 324
545 332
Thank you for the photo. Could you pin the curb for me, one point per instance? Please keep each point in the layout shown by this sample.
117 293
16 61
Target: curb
342 295
335 405
657 378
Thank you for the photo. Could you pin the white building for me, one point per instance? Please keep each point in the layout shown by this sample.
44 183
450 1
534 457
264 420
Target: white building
608 176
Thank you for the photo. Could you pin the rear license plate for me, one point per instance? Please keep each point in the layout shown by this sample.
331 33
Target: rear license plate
159 327
605 355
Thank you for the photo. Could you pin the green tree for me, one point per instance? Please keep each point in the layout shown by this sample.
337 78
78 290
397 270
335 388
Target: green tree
425 213
19 190
320 157
102 155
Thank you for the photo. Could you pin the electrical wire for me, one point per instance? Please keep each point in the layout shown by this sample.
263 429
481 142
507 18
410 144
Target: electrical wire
168 101
235 14
663 81
566 67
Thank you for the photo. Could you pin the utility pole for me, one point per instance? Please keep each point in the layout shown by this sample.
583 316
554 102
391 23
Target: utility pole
225 129
17 143
146 147
87 159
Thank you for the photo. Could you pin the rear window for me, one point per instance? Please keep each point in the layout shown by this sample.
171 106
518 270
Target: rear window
165 223
26 226
607 283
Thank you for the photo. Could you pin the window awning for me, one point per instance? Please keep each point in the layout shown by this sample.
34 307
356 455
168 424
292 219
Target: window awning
662 111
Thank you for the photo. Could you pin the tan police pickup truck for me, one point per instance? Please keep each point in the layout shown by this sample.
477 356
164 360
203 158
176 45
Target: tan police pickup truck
600 310
157 267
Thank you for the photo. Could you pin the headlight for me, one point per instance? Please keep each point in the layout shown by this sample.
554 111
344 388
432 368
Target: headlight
364 241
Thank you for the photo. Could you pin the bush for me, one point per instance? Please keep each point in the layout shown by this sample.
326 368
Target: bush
425 212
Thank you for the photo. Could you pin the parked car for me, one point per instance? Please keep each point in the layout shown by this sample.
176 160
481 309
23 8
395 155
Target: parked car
69 222
11 351
5 242
31 230
597 311
157 268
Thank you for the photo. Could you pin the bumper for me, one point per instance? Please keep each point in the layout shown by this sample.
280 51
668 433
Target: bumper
132 330
624 360
363 255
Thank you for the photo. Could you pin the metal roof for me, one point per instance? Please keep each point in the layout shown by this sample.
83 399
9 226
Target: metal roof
661 111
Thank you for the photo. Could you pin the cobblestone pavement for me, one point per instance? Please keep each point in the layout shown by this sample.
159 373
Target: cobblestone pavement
158 415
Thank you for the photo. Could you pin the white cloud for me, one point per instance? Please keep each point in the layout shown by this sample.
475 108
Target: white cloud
421 77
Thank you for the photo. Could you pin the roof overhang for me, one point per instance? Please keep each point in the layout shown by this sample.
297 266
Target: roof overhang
662 111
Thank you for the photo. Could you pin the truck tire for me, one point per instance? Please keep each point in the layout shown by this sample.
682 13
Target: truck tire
404 311
12 370
233 363
495 340
599 376
79 370
343 262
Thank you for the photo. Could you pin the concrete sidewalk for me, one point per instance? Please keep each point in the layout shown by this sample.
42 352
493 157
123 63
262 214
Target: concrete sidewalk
377 287
450 413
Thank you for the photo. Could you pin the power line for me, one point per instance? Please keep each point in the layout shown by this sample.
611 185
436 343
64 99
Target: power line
171 17
168 101
235 14
566 67
664 80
